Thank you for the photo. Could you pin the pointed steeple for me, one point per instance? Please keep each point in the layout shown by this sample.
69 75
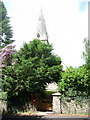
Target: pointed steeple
41 30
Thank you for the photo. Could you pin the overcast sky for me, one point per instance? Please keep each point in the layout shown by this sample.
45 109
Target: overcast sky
66 22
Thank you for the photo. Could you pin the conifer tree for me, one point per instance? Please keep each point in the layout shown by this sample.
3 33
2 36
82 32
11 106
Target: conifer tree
5 28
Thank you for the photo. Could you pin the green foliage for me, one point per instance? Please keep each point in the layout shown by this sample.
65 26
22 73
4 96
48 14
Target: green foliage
86 56
5 28
49 92
75 81
3 95
34 67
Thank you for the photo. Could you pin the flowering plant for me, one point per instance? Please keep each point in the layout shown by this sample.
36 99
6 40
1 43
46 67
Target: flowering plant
6 55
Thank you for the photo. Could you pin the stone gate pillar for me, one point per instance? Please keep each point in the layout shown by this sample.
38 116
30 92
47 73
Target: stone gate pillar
56 102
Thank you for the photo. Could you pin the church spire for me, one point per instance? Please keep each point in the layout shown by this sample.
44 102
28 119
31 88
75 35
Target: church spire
42 31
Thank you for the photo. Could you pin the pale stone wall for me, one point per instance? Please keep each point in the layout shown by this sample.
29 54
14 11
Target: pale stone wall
74 107
56 103
3 106
89 107
61 105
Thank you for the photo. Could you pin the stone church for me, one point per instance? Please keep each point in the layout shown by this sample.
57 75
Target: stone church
41 29
44 103
42 34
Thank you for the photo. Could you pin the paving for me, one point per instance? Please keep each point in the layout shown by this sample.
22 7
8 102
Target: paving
45 116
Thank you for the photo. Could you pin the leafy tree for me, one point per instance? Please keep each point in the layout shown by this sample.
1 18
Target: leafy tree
75 80
5 28
35 66
86 55
6 59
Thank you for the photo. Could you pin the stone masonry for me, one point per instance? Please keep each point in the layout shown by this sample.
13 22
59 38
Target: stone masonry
56 103
69 107
3 106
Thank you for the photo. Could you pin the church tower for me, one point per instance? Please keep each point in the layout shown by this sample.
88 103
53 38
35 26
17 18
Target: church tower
41 29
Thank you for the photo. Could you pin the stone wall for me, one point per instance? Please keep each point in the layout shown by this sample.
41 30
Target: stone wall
69 106
74 107
56 103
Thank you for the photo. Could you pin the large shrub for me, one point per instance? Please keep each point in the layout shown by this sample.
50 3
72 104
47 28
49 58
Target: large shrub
75 81
34 66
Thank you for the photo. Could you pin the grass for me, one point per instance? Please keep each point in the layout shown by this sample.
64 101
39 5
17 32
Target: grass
49 92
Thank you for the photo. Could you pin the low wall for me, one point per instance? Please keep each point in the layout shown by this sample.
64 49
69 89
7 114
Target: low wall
74 107
3 106
70 105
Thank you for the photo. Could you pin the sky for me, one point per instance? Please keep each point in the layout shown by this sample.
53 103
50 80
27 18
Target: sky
66 23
